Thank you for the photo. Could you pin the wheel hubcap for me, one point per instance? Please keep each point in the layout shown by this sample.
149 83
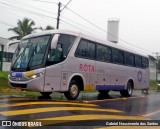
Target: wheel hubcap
130 90
74 90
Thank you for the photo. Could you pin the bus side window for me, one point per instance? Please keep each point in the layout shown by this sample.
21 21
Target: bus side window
129 59
103 53
118 56
91 50
86 49
145 62
82 49
138 61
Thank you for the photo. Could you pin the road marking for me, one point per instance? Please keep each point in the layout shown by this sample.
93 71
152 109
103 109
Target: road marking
10 99
92 101
43 103
152 113
40 110
64 119
110 100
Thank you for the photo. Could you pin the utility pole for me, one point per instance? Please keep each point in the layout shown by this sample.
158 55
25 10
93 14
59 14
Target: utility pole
58 16
59 12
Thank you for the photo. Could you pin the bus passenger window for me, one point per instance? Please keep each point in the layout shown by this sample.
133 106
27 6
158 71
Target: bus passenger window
103 53
86 49
91 50
138 61
145 62
129 59
118 56
82 49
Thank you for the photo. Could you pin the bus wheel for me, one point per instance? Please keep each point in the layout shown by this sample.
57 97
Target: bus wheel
46 93
103 92
73 91
128 92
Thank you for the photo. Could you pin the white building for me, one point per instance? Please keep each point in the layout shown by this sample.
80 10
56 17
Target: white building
152 66
3 42
8 47
9 50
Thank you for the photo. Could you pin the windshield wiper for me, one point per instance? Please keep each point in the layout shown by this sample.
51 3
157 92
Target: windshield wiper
28 68
17 59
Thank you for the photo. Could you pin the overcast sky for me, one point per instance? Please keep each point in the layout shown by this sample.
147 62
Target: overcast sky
139 19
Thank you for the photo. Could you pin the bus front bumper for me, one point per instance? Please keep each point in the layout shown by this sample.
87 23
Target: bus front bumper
35 84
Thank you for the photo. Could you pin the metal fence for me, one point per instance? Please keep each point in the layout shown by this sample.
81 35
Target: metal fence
1 55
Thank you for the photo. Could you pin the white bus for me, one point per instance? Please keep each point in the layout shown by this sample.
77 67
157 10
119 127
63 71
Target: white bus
70 62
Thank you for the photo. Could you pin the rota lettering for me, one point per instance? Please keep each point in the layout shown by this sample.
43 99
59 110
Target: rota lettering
86 68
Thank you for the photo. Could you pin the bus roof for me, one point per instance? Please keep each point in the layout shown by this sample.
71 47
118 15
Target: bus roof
85 36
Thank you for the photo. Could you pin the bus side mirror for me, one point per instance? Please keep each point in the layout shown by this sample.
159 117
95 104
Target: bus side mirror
54 41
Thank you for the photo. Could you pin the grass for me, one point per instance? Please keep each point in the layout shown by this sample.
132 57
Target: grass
5 89
3 75
153 85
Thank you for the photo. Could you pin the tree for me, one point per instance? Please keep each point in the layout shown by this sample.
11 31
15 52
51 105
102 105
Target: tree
48 27
24 27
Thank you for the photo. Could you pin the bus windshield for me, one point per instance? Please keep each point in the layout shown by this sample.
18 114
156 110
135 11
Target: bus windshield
33 52
30 52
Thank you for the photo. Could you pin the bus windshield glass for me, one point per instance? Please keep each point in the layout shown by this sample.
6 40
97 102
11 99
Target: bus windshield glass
30 52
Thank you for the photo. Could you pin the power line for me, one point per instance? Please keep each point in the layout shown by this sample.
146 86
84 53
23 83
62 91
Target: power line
45 1
59 12
96 35
77 27
106 31
85 30
37 17
4 23
82 27
70 24
86 27
27 11
32 6
51 13
66 5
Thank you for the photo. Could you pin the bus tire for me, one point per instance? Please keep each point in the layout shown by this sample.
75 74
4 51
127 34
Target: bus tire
103 92
73 91
46 93
128 92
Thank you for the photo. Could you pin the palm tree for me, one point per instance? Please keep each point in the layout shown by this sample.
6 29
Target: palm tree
24 27
48 27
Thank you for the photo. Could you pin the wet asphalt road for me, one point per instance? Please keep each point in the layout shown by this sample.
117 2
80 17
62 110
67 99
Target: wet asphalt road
56 111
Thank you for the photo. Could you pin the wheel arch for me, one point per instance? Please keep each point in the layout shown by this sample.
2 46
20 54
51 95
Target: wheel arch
132 82
79 79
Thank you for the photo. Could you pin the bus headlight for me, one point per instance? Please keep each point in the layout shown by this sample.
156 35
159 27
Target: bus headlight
36 75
